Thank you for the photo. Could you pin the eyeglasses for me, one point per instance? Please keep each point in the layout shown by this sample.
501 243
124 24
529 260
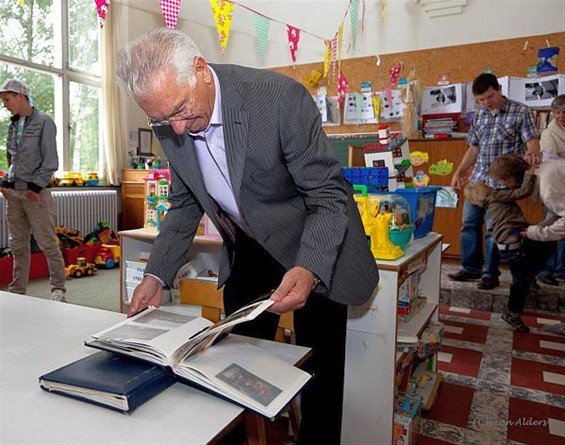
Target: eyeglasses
183 113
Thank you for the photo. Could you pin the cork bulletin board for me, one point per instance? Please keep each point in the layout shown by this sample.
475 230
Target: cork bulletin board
462 63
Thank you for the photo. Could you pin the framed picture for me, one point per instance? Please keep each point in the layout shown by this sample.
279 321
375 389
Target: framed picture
145 142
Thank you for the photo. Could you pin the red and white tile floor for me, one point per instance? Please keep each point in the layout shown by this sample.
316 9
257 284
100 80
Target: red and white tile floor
500 386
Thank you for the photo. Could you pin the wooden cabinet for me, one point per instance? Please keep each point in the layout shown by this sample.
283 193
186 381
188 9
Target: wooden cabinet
372 330
133 198
447 221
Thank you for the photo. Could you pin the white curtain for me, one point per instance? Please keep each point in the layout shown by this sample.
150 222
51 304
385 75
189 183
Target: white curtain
114 123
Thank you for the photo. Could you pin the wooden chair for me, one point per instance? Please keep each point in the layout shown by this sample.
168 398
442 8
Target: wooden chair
206 295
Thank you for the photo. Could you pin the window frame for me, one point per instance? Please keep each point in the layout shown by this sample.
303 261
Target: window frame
63 75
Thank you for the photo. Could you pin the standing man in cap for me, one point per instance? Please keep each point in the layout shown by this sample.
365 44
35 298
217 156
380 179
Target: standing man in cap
32 160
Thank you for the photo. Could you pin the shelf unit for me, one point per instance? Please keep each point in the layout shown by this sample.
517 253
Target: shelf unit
134 242
372 329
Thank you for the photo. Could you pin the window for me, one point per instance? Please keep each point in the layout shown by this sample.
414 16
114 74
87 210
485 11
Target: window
54 46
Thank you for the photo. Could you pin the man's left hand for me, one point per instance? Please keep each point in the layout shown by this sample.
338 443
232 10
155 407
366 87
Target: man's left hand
293 291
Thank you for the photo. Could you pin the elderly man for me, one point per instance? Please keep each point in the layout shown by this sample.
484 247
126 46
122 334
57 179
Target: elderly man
246 147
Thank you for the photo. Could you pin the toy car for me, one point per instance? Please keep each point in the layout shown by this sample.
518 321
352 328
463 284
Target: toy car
71 178
80 269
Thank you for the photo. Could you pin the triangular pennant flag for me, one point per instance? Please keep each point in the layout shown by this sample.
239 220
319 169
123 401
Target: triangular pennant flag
334 55
354 21
102 7
383 11
262 25
170 11
339 42
293 39
327 56
223 11
21 2
342 85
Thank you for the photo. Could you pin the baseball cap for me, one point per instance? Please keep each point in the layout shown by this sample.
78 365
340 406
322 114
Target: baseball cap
15 86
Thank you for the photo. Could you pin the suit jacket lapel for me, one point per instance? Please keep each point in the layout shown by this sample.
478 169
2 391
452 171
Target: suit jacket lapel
235 122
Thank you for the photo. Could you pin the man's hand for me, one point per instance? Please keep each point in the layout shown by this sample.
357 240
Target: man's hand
458 181
147 293
293 291
533 159
5 192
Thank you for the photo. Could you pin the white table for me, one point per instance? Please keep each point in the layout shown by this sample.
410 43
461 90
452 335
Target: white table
37 336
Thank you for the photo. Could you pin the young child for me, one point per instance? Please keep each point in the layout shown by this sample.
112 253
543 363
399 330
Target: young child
525 257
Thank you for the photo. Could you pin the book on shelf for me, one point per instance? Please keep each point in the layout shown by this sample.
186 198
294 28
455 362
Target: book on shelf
200 352
105 379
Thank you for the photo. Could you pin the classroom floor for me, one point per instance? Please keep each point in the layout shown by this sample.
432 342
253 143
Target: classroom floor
500 386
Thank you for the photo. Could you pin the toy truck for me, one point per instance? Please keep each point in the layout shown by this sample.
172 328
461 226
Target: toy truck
80 269
107 256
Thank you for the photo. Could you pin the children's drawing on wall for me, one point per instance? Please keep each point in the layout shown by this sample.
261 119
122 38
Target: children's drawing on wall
447 198
541 90
418 158
393 108
441 168
443 99
359 108
420 179
328 107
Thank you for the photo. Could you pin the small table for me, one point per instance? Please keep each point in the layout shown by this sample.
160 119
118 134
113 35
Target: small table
39 335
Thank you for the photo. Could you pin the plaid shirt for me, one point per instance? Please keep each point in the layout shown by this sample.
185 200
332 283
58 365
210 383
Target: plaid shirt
502 133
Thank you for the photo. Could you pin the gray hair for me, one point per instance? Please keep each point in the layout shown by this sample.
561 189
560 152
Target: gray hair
558 103
144 62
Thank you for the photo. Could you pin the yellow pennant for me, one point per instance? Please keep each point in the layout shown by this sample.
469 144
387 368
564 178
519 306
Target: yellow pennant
327 56
383 11
223 11
21 2
377 105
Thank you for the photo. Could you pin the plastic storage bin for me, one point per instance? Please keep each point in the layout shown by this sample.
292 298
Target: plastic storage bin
422 207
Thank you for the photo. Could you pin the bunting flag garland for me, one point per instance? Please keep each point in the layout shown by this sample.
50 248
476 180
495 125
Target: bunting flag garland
354 21
170 11
223 11
262 25
102 7
342 85
293 39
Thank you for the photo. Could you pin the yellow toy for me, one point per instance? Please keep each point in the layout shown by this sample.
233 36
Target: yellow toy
381 245
376 224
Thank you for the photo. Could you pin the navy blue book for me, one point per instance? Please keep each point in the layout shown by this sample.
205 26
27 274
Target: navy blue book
112 381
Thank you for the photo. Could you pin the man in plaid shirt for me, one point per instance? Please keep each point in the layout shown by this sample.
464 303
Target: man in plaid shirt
500 127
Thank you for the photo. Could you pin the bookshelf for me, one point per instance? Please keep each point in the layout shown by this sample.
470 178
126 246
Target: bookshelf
372 330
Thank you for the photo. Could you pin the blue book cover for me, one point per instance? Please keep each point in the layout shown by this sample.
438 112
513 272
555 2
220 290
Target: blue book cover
108 380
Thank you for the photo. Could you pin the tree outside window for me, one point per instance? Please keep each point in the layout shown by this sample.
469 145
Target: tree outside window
61 65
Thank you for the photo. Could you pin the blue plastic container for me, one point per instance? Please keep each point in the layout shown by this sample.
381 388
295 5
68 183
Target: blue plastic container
375 178
422 207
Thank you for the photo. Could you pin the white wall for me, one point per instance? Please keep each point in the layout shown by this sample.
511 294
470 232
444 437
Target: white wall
406 28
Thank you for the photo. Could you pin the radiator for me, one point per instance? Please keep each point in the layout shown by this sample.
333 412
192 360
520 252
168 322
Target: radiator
76 209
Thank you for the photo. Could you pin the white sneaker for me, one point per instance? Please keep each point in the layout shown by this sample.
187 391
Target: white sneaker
58 295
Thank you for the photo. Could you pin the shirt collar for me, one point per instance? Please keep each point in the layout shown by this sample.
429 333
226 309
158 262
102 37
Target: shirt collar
216 118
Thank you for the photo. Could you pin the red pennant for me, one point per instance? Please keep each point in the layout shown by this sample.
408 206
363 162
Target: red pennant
170 11
293 38
102 7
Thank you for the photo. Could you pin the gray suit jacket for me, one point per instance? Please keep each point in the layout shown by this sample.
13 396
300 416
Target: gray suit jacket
287 183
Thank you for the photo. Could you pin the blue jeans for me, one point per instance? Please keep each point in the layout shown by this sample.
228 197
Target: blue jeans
556 264
472 243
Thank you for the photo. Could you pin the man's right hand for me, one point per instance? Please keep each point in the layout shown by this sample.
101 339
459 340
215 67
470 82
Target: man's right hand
5 192
147 293
458 181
